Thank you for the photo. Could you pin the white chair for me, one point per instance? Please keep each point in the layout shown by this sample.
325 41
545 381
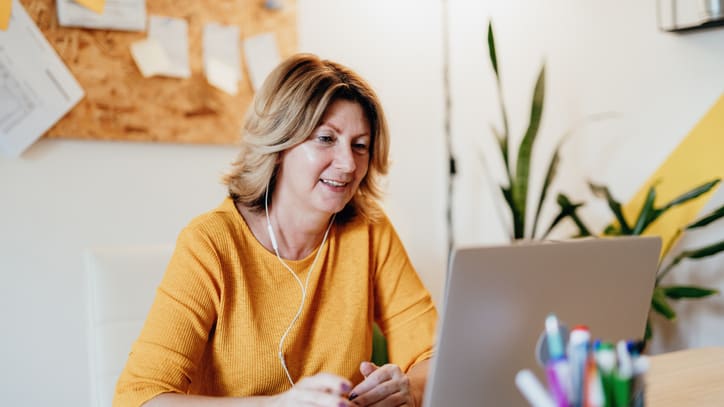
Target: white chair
122 283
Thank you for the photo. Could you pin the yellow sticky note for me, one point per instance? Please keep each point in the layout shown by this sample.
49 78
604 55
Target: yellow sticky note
95 5
5 6
696 160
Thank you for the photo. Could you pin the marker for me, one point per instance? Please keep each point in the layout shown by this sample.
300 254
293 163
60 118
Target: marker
578 344
554 338
622 376
557 368
532 389
593 395
638 393
606 361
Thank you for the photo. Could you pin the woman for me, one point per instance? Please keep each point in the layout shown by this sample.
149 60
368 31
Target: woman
270 298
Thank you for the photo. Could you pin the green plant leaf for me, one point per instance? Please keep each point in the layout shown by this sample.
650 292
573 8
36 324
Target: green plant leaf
379 356
646 213
702 252
649 332
699 253
603 192
691 194
508 197
525 150
491 48
660 305
676 292
555 160
505 136
649 214
668 245
550 174
612 230
708 218
503 145
517 226
568 210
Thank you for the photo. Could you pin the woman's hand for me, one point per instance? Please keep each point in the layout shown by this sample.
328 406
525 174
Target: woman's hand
320 390
382 387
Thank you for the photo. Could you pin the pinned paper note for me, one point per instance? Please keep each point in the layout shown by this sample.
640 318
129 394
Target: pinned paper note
150 57
262 56
126 15
94 5
221 57
172 35
222 76
5 7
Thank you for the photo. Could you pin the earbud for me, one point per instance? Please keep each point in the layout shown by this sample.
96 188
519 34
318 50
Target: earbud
269 228
271 235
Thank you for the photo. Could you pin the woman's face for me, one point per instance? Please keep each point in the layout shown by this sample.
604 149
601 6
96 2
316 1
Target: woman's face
323 173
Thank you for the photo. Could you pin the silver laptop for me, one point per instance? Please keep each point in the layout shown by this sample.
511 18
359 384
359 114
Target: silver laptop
497 299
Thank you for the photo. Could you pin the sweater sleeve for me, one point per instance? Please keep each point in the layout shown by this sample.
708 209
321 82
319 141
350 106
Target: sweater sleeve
165 357
403 307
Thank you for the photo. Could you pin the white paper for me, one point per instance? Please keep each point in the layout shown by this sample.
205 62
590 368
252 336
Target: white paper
172 34
222 76
36 88
221 56
262 56
126 15
150 57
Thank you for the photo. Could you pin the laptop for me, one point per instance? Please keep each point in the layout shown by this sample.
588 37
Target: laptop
497 299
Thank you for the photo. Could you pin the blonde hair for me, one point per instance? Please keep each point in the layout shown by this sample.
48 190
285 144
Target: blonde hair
289 106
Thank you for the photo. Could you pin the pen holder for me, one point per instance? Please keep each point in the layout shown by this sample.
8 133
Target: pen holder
580 372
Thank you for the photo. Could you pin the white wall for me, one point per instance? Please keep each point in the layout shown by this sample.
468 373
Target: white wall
62 196
600 57
396 46
59 198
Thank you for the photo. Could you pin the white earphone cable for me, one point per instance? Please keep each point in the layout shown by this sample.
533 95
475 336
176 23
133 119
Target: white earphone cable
303 287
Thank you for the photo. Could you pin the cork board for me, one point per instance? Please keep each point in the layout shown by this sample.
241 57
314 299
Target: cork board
120 104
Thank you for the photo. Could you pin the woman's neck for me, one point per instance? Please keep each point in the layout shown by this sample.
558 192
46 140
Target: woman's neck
296 236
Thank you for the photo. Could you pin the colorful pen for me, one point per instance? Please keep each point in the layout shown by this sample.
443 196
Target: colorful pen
622 377
593 395
640 365
578 344
557 368
606 361
532 389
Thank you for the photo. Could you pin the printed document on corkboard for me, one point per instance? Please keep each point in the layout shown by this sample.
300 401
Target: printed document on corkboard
120 104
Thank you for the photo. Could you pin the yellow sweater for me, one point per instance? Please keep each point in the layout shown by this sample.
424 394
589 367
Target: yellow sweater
225 301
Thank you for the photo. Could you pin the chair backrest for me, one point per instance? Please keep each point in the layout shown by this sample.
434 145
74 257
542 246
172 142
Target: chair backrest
122 283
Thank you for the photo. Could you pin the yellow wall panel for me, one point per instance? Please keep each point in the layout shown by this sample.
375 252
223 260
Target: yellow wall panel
698 158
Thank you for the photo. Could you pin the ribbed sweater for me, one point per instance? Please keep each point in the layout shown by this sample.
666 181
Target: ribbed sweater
225 301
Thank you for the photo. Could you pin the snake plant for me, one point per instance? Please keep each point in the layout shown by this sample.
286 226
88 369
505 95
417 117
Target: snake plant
517 169
517 172
648 213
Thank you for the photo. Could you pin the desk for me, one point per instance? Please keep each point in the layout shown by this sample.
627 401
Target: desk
692 377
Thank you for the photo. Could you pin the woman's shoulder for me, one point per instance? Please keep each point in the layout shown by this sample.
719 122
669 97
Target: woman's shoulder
380 224
224 218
